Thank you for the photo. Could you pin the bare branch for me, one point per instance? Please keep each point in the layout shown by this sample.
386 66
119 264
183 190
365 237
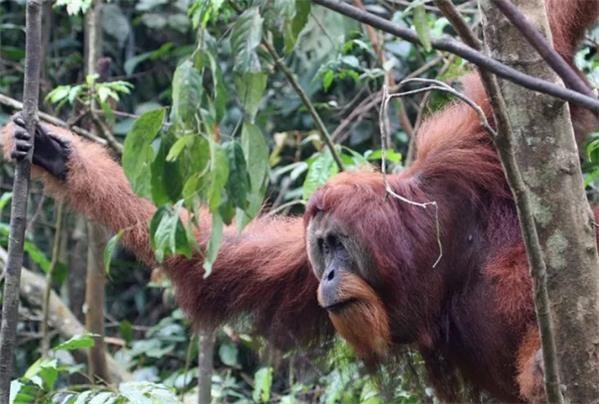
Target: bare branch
449 44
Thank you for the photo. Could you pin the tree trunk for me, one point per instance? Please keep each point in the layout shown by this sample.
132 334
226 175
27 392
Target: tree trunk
18 216
548 162
206 340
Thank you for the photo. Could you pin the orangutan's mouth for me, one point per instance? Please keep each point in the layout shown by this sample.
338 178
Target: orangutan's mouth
339 306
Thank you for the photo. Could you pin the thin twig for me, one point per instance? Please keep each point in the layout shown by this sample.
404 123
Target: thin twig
339 134
49 275
451 45
384 124
324 133
107 133
14 104
441 86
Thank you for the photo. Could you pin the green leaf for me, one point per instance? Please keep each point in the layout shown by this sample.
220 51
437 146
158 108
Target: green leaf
77 342
262 385
219 173
321 169
228 354
166 178
43 372
245 38
297 24
187 95
167 233
255 151
216 236
109 249
178 147
138 153
250 88
4 200
390 155
238 184
422 27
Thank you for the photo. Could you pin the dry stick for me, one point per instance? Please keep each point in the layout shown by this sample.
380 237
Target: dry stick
324 133
384 124
373 100
18 213
14 104
402 114
450 45
49 274
543 47
504 143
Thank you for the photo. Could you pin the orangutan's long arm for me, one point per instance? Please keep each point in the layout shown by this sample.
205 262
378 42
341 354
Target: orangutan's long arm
95 186
264 272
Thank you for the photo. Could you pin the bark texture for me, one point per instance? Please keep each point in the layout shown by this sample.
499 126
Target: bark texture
546 153
18 211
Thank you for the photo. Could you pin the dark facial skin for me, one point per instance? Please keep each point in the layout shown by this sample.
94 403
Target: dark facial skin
329 249
50 152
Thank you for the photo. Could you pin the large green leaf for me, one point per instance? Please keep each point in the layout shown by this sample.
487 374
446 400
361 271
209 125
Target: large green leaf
245 39
138 153
297 24
167 233
219 173
187 95
321 169
238 184
166 180
216 236
422 27
250 88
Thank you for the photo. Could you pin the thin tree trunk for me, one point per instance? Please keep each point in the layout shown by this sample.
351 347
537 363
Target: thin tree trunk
55 255
18 218
206 340
94 302
60 317
96 235
560 237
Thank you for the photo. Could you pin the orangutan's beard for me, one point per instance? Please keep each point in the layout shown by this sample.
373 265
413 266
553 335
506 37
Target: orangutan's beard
361 319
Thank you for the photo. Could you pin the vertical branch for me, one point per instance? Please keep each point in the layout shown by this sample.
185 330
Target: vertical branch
206 340
18 217
55 254
95 279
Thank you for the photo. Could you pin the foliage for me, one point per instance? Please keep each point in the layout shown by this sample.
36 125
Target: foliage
207 120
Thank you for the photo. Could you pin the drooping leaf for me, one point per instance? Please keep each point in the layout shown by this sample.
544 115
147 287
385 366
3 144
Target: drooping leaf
167 233
250 88
187 95
297 24
166 180
109 250
238 183
138 153
219 173
216 236
245 38
178 147
422 27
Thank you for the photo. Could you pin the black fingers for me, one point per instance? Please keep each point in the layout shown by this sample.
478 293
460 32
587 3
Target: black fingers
22 144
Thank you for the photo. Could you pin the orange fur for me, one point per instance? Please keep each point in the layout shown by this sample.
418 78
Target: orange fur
372 338
97 187
530 371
